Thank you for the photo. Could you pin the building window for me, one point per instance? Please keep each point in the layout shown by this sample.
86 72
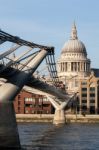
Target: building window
92 109
33 112
84 95
26 111
45 99
27 105
84 89
92 88
40 99
92 101
84 101
84 83
92 94
45 105
84 108
29 99
26 99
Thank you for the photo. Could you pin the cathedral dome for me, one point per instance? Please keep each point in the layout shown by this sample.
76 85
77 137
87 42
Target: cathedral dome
74 45
73 64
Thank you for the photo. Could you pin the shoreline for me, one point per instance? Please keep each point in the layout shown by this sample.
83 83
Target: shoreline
49 118
34 117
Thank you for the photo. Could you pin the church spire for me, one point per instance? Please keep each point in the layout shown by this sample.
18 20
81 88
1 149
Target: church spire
74 32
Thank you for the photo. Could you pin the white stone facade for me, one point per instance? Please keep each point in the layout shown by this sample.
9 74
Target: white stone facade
73 63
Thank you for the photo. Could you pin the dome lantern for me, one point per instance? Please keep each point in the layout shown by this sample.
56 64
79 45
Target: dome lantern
74 32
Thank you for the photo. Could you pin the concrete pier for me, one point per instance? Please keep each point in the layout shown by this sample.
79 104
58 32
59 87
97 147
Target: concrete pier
9 137
59 116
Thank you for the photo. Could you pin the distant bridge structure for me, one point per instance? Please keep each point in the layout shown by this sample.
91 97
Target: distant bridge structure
17 72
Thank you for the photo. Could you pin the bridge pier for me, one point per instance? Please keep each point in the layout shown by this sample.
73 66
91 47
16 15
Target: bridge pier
59 116
9 137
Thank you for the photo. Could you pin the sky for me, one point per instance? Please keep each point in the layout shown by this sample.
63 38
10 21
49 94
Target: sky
49 22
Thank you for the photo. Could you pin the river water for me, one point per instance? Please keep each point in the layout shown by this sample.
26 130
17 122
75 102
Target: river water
46 136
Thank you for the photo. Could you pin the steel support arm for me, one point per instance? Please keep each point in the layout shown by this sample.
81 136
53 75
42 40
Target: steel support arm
9 51
9 90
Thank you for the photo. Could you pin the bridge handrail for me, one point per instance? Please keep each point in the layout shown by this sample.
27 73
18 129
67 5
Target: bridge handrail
8 37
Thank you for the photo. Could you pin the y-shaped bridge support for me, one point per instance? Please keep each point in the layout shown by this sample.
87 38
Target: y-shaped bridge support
52 93
59 116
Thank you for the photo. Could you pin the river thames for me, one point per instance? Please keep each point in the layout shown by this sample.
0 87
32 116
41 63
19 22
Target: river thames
45 136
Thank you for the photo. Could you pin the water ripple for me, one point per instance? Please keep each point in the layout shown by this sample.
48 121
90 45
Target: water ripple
45 136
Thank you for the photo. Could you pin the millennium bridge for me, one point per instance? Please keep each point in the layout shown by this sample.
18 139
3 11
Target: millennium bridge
17 71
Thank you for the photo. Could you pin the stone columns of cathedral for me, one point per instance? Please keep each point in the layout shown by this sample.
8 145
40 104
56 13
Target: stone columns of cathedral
74 66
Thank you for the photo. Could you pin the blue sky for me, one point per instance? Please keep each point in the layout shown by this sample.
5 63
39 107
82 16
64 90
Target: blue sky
49 22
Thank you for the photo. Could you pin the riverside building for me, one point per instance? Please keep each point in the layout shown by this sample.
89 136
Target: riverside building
89 95
28 103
